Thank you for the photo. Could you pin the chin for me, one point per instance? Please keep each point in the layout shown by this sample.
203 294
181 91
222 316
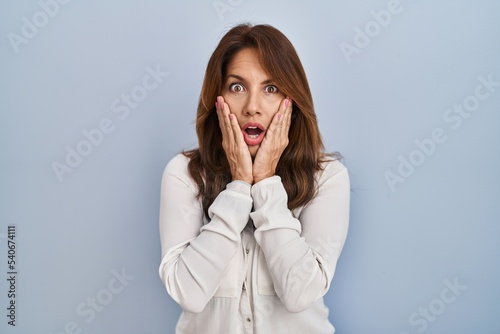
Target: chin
253 150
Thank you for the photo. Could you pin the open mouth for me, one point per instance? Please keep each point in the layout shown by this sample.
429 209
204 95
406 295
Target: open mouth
253 133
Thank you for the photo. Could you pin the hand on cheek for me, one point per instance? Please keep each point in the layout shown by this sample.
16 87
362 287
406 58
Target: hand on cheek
274 143
233 143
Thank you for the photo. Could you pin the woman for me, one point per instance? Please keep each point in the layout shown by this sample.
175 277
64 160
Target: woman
253 221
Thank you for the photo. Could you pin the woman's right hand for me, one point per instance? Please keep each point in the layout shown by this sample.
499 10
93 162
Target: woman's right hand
237 153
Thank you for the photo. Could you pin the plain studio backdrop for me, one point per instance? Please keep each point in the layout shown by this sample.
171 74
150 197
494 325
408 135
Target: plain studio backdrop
96 97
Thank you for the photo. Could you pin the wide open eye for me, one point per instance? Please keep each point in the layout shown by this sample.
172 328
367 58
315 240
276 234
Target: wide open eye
236 88
271 89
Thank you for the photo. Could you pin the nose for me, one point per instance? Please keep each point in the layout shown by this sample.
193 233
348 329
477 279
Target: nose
253 105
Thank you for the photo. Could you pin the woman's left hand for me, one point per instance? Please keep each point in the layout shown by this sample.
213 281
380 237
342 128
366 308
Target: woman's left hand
274 143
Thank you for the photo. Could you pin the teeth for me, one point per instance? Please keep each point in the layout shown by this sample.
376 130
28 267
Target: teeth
252 127
252 136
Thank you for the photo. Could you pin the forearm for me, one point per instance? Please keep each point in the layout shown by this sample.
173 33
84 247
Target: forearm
195 256
301 255
191 272
298 277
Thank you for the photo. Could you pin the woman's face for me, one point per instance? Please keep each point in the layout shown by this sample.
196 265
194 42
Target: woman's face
251 96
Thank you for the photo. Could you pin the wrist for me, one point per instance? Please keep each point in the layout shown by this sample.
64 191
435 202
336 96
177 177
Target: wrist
258 178
248 180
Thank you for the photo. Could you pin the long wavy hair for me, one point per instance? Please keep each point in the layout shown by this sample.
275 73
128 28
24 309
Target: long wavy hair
301 159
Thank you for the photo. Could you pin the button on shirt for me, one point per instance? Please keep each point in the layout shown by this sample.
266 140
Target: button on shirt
253 266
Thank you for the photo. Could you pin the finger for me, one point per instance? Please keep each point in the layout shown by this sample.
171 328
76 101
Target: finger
273 130
223 112
220 114
234 137
236 130
230 122
273 127
282 116
288 119
284 124
224 123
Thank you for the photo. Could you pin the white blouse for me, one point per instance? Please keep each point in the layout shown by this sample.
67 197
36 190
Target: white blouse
255 266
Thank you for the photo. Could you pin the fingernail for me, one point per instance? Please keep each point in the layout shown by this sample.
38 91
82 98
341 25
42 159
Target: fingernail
216 105
286 102
279 117
231 117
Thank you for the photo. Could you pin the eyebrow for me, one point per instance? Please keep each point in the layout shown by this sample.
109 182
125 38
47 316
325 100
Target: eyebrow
236 76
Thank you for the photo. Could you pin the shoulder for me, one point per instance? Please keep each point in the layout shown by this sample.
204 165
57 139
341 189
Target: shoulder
332 169
177 168
177 163
331 180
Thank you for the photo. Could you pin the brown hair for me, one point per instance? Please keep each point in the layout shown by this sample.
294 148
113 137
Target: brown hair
301 159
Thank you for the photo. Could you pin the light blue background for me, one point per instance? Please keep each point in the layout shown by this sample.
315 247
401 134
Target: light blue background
442 223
